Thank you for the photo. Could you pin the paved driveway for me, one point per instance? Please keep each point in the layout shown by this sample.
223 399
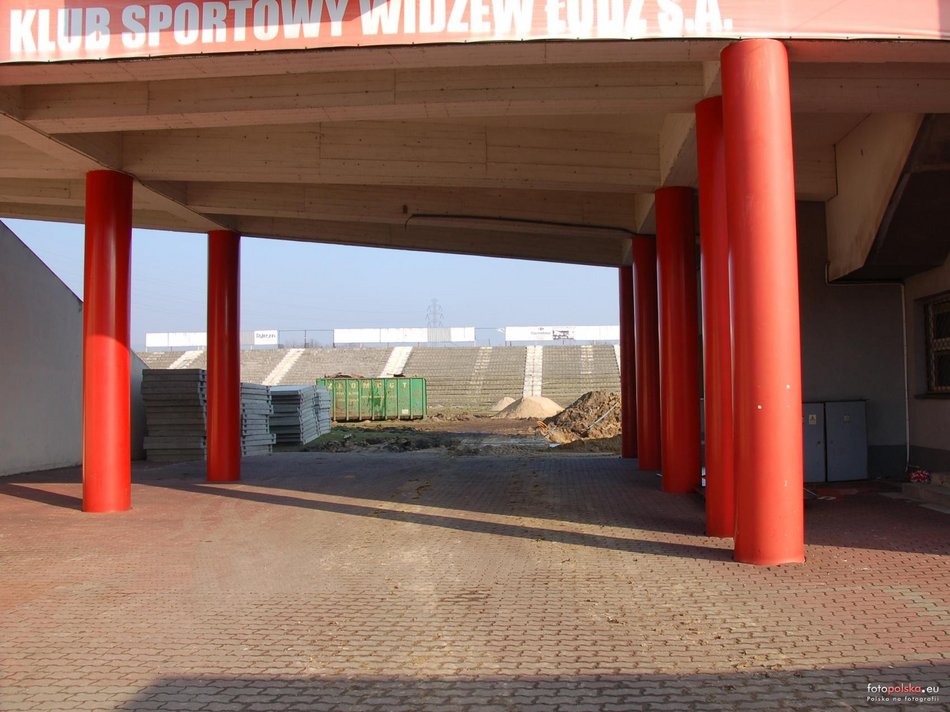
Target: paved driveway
423 582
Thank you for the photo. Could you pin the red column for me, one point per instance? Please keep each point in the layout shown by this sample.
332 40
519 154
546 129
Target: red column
767 392
647 345
224 357
106 450
679 339
628 367
717 319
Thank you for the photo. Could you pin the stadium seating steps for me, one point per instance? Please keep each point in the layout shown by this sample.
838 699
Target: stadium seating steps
458 378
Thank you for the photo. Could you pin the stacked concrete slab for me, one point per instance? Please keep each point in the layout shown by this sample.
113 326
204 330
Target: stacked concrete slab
256 411
175 414
301 413
323 405
176 420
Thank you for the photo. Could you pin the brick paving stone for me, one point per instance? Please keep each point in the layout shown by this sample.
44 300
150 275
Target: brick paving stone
421 582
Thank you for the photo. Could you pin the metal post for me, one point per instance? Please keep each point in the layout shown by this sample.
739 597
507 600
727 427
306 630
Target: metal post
628 367
717 319
679 339
106 456
647 347
767 388
224 357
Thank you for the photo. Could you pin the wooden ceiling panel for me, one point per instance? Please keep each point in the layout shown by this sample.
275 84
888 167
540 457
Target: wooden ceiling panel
870 88
396 153
364 95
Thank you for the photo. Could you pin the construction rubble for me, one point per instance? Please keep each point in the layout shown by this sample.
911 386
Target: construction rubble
593 416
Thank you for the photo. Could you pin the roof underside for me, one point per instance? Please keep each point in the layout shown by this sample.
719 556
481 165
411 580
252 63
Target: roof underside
538 150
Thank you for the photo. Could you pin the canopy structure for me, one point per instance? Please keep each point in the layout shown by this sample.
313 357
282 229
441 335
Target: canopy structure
454 130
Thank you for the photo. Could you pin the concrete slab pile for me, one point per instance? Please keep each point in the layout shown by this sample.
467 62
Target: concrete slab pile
256 411
175 414
323 405
301 413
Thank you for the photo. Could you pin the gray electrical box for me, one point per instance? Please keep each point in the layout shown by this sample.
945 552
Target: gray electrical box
846 440
813 438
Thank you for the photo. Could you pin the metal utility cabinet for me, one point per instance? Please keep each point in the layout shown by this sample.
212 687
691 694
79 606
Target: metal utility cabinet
834 435
813 438
356 399
847 440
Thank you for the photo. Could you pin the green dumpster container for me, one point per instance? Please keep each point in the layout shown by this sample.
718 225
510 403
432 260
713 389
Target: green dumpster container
356 399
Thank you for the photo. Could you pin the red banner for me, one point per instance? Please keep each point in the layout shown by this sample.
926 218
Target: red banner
48 30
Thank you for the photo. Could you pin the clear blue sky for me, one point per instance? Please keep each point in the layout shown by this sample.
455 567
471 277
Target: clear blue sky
296 285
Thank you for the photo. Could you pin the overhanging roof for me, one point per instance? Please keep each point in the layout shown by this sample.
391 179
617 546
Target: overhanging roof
540 150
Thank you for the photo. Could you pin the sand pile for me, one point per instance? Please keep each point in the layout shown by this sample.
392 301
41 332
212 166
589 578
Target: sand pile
502 404
530 407
592 416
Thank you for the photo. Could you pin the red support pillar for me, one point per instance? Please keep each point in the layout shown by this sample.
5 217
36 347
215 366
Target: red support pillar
679 339
647 345
717 319
767 390
224 357
628 367
106 450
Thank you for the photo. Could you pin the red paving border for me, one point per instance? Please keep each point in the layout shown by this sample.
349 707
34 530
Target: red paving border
422 582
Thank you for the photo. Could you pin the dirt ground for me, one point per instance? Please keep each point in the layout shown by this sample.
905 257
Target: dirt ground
457 434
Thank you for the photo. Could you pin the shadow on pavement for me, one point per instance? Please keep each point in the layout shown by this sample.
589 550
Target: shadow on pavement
820 689
36 494
479 526
589 490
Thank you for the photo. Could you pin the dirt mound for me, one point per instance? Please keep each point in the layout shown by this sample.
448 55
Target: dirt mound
599 445
594 415
530 407
502 404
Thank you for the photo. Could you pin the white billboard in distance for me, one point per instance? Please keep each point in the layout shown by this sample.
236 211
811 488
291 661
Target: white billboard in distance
176 340
404 335
562 333
462 334
266 337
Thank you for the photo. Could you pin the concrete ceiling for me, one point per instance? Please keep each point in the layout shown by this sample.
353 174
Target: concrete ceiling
541 150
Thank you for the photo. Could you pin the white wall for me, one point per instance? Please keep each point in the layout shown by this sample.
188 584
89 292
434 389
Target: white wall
41 366
40 363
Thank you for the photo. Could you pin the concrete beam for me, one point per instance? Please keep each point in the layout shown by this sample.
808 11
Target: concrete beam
601 248
869 162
